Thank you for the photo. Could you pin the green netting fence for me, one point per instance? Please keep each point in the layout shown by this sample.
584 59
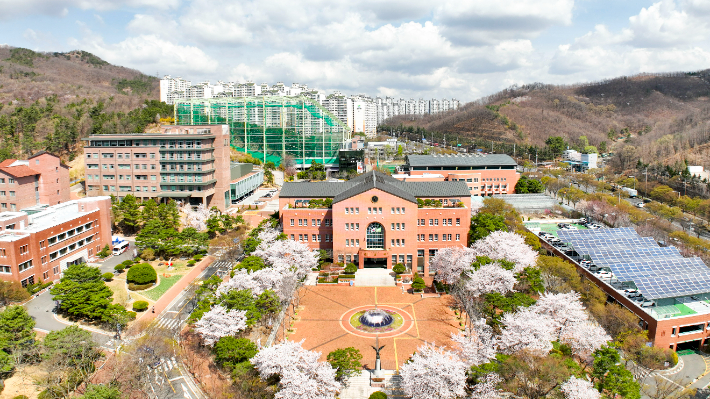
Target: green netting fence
271 127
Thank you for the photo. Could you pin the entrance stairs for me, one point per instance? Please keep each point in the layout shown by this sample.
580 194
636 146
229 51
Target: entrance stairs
374 277
359 386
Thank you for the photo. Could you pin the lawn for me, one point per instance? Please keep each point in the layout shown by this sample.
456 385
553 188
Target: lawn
165 283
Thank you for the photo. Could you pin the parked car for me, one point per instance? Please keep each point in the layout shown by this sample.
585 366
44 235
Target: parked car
630 290
639 205
648 304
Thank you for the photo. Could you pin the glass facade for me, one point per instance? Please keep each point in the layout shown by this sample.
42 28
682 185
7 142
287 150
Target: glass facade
375 236
271 127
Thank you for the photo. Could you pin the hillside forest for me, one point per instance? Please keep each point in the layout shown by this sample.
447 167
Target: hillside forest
49 101
657 118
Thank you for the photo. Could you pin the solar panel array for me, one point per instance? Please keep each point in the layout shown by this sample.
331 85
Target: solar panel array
657 272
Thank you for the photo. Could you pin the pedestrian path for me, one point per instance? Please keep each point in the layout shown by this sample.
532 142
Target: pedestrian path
375 277
311 278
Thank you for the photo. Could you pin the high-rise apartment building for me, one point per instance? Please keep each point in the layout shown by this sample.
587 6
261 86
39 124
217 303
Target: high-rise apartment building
187 163
40 180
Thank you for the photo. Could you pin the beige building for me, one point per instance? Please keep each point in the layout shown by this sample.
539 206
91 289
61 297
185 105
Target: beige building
186 163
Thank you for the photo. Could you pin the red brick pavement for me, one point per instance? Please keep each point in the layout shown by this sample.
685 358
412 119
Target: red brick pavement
175 290
326 311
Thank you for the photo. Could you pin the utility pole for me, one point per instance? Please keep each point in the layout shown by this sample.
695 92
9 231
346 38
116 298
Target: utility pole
513 150
536 158
646 186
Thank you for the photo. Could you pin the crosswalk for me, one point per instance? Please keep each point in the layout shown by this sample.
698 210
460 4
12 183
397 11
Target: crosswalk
170 324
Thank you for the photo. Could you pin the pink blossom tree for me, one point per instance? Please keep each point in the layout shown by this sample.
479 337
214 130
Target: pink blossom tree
269 278
509 246
288 254
434 373
196 218
450 262
487 279
584 337
476 345
578 388
302 376
486 389
562 309
526 330
220 322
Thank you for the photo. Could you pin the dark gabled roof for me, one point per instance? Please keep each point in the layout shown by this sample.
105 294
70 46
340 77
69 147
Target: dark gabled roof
434 189
371 180
408 191
466 160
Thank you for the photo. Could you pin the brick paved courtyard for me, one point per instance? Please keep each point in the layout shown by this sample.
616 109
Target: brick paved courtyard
324 322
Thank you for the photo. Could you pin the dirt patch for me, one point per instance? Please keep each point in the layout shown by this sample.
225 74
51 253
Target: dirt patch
22 382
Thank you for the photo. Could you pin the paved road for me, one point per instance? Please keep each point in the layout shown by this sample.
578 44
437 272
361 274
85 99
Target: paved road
167 377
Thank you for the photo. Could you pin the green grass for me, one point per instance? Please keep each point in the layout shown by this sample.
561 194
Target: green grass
165 283
684 310
685 352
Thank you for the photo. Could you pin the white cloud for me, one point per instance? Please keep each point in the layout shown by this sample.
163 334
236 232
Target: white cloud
13 8
150 53
478 21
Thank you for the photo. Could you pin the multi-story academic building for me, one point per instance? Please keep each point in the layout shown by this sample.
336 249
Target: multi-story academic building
187 163
375 220
41 180
484 174
40 246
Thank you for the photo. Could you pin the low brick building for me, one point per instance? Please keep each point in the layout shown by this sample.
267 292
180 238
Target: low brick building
375 220
41 179
40 246
484 174
676 290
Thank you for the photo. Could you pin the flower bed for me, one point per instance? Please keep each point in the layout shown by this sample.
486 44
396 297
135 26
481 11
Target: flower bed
397 323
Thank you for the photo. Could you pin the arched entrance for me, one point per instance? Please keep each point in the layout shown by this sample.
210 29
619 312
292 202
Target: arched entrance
375 240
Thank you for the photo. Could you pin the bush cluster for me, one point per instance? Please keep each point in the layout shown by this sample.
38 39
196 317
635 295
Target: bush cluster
140 306
142 273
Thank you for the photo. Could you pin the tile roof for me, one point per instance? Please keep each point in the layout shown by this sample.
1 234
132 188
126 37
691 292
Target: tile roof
340 191
19 170
461 160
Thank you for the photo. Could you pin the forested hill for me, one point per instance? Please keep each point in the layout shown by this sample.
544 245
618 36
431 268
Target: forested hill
48 101
660 117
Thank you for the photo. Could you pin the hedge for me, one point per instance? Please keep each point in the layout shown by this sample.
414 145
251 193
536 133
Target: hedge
378 395
191 262
140 306
399 268
346 276
107 276
139 287
142 273
350 268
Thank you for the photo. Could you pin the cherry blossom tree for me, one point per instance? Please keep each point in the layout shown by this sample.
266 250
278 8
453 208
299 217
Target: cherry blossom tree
584 337
562 309
434 373
509 246
486 389
196 218
449 263
268 236
220 322
578 388
526 330
285 254
302 376
269 278
489 278
476 345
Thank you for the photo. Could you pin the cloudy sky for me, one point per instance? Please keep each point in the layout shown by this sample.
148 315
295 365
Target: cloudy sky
408 48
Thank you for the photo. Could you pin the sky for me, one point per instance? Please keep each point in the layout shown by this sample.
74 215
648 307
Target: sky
402 48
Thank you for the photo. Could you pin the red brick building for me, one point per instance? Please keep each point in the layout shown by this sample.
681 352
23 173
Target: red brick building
187 163
40 180
676 289
484 174
40 246
376 220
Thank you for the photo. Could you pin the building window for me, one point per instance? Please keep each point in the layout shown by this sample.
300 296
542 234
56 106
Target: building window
5 269
431 222
313 238
436 222
436 237
458 237
300 237
292 236
392 211
25 265
458 221
375 236
347 210
313 222
292 223
369 210
394 259
340 258
431 237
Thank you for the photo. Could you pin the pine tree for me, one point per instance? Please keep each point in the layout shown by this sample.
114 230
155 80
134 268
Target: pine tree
149 212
